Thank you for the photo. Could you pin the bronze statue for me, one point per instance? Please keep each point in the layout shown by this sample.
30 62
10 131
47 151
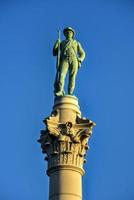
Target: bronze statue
70 55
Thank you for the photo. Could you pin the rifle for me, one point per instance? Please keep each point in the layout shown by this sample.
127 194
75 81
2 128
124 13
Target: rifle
57 66
58 55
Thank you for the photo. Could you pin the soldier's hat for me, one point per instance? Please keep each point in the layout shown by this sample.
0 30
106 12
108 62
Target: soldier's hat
70 29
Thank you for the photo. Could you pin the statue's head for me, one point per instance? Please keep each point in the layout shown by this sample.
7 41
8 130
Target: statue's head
69 32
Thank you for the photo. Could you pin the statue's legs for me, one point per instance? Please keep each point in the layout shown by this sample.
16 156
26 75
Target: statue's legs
62 74
73 68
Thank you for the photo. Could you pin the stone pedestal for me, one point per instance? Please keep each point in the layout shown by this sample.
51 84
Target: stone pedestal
65 142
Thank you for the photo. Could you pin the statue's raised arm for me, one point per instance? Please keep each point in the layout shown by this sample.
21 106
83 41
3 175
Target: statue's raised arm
70 55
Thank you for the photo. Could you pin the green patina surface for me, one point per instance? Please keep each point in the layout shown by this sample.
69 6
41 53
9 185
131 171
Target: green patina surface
70 55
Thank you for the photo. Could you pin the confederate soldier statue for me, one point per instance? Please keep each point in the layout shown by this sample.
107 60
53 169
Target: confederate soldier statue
70 55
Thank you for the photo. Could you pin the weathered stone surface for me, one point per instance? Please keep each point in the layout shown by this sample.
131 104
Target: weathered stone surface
65 139
65 143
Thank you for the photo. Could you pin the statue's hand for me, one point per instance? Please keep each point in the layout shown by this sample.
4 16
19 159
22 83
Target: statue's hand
79 60
58 41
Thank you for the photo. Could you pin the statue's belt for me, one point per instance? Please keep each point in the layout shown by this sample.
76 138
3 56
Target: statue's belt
68 54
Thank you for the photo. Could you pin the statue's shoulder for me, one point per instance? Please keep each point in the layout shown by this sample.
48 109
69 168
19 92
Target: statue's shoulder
75 42
63 42
78 44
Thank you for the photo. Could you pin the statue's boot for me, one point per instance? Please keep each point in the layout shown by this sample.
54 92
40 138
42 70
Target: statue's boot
70 91
60 93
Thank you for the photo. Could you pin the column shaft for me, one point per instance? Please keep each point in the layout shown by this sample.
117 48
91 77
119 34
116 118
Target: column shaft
65 184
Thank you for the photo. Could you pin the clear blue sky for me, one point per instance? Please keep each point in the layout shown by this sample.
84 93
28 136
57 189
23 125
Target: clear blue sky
28 29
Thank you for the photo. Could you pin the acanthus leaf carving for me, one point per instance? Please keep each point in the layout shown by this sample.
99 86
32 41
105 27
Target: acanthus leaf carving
65 143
